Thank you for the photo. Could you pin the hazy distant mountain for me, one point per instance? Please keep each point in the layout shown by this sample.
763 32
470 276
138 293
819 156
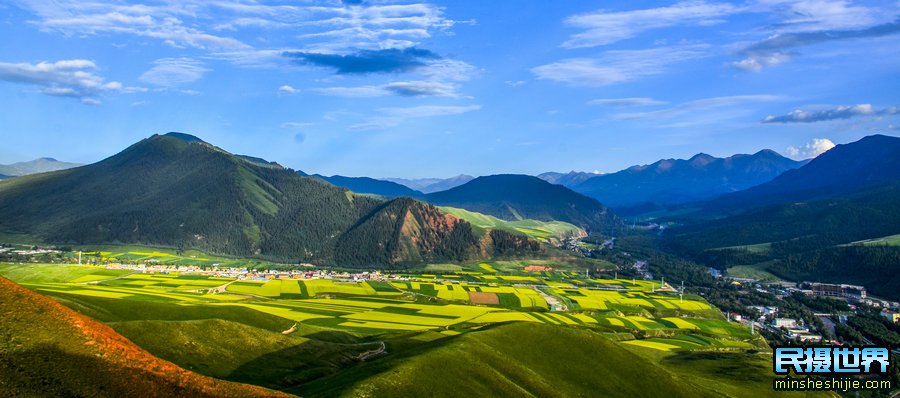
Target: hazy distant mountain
569 179
674 181
175 190
41 165
429 185
845 169
371 186
515 197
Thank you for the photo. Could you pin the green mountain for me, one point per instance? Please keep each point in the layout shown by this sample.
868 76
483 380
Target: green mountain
518 197
175 190
408 231
41 165
52 351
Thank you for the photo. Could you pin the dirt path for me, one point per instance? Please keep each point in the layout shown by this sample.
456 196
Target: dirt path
556 305
372 353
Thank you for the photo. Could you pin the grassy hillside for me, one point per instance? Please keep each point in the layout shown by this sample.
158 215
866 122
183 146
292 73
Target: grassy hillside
406 231
50 350
520 359
541 230
518 197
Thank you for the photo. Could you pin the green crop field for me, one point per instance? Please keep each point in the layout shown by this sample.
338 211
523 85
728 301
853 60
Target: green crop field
177 317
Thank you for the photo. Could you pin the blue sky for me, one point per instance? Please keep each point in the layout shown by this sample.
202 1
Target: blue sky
408 89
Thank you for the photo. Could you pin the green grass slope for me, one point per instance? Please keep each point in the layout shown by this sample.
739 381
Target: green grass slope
511 360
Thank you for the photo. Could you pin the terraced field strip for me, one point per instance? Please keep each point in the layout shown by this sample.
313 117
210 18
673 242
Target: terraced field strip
656 345
103 291
487 267
291 314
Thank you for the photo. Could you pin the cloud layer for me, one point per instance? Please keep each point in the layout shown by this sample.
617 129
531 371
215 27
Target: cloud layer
602 27
618 66
836 113
171 72
74 78
367 61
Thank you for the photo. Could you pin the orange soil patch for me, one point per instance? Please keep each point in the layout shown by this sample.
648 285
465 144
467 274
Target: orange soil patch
484 298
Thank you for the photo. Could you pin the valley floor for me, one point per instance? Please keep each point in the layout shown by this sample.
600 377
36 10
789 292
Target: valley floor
463 331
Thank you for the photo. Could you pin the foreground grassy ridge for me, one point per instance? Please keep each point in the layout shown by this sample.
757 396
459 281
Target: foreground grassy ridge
50 350
510 360
237 335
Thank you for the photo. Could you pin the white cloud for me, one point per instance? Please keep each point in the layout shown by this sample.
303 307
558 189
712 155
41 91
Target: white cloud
286 89
835 113
756 62
604 27
619 66
295 125
391 117
820 15
171 72
624 102
815 147
408 89
803 23
66 78
701 104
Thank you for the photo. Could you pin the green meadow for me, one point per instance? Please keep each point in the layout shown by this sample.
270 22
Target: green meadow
345 330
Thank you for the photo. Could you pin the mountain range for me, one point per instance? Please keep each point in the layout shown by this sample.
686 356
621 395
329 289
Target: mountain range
429 185
569 179
41 165
845 169
677 181
176 190
806 223
371 186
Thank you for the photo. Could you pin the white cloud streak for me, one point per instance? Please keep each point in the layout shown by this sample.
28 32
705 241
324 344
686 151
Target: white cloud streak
391 117
602 27
618 66
407 89
626 102
700 105
171 72
835 113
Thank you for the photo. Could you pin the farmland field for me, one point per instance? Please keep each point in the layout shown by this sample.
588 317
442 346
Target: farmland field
343 320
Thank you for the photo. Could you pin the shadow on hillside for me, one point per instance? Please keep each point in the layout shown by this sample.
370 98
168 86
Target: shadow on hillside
324 354
51 372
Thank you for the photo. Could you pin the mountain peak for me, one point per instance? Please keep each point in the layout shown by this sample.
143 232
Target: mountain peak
767 153
184 137
48 159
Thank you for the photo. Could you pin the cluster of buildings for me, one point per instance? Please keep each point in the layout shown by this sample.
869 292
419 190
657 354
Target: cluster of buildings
246 274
